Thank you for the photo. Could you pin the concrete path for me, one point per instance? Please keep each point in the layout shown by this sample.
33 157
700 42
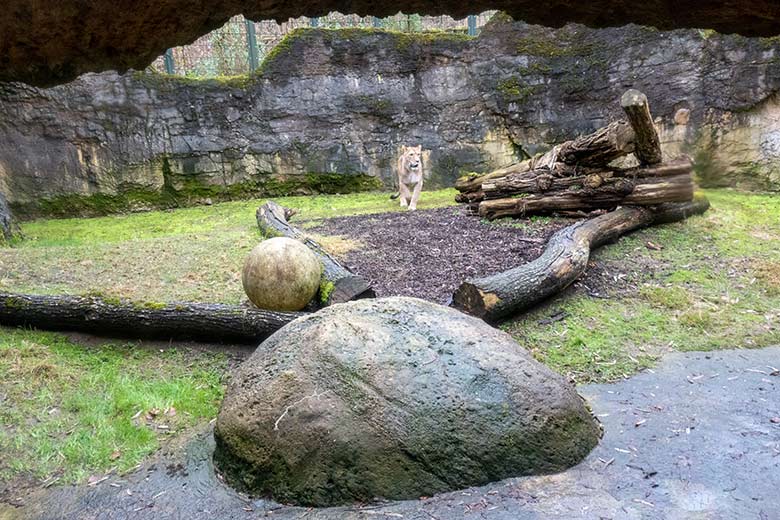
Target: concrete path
694 438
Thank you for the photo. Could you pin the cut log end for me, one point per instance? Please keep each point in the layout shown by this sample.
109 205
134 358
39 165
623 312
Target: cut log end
633 98
350 288
471 299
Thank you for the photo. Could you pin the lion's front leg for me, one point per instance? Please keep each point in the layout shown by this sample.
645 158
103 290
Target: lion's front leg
405 194
416 195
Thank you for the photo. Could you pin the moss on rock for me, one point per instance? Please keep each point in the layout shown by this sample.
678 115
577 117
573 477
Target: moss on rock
190 190
394 398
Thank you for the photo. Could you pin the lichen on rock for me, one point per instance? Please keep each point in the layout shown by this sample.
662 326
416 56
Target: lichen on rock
394 398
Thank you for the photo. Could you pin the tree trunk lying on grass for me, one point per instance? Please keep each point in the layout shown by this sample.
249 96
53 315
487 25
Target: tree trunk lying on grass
206 322
341 283
576 176
562 262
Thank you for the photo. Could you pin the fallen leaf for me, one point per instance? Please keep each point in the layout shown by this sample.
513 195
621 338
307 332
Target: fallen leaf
115 454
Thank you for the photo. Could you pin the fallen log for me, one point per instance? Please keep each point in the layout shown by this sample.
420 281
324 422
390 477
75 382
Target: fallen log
562 262
339 284
564 177
647 144
610 192
600 147
595 149
205 322
473 182
470 197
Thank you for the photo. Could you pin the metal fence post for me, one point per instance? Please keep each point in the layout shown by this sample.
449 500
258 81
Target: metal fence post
472 25
251 40
168 59
314 22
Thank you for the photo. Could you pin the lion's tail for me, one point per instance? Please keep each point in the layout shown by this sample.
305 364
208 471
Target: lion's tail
395 195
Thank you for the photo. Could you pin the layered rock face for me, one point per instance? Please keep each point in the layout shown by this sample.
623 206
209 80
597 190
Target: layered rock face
394 398
330 110
45 43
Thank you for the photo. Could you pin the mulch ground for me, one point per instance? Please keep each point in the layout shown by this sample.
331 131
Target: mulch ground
428 253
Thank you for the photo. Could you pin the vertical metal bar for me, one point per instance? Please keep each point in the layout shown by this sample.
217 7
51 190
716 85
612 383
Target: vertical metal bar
314 22
377 22
251 40
168 59
472 25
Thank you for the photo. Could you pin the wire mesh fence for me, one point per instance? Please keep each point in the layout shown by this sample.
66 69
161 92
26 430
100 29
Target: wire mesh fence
240 45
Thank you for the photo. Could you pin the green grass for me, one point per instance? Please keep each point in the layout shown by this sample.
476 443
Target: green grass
67 409
714 285
190 254
71 411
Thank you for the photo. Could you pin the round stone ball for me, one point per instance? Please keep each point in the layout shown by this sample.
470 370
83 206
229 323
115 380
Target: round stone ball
281 274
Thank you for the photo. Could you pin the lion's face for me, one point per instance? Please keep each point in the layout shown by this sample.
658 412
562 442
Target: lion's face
412 157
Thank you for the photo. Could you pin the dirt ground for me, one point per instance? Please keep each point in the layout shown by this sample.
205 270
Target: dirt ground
427 254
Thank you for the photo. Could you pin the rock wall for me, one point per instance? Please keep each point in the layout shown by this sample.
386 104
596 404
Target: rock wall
329 110
48 43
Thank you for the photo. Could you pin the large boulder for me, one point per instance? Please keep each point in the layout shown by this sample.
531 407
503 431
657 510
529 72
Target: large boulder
395 398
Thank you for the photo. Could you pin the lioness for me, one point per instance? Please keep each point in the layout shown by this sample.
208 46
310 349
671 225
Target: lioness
410 173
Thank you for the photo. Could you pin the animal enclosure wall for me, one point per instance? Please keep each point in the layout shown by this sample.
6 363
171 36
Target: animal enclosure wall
329 110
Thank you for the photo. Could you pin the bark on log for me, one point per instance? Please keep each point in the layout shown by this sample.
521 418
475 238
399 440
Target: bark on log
204 322
596 149
564 177
343 285
647 144
599 148
642 191
470 197
563 261
472 182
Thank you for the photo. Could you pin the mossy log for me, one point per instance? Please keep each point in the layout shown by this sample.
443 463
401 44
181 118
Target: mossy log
339 284
206 322
562 262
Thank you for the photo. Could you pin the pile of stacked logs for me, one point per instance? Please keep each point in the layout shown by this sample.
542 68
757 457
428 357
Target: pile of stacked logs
575 177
